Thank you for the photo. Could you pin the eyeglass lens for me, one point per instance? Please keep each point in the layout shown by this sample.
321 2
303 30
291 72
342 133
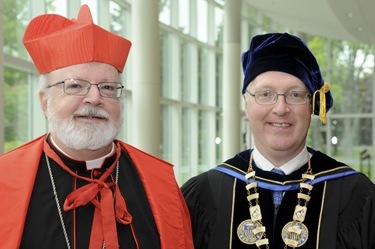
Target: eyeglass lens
292 97
82 87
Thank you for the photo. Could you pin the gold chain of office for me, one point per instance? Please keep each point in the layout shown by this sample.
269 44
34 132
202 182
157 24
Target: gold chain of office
295 233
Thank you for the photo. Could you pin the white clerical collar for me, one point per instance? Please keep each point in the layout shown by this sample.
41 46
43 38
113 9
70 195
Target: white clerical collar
289 167
90 164
97 163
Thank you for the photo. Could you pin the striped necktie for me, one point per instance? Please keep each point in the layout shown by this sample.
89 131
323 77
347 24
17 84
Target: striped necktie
277 195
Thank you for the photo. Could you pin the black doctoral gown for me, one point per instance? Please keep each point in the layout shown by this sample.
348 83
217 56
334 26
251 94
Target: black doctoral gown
340 214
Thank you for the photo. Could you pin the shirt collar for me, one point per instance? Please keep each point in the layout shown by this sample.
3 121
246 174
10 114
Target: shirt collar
288 168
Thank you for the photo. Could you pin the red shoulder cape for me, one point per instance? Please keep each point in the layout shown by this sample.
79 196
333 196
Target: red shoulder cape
19 167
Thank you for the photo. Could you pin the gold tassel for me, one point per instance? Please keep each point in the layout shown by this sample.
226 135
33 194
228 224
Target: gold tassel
322 99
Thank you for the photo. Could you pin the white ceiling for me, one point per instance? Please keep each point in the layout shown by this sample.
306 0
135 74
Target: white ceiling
352 20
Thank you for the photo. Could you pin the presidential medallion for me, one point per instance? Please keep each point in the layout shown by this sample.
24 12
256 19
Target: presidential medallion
246 232
295 234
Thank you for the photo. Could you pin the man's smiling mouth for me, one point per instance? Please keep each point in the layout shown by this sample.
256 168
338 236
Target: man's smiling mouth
280 124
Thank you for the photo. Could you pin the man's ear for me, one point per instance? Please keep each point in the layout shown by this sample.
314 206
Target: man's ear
245 101
43 101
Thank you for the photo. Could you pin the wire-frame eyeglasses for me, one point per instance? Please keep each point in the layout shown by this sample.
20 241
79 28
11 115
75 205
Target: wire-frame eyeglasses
79 87
271 97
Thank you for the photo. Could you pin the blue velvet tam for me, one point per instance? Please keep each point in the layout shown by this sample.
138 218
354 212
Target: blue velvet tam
289 54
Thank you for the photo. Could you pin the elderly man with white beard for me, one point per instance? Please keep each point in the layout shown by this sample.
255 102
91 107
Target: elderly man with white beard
78 186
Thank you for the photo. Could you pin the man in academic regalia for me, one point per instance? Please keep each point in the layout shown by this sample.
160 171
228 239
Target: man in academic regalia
282 193
77 186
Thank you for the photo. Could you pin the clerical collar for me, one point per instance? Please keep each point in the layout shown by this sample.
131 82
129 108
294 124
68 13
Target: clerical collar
97 163
289 167
90 164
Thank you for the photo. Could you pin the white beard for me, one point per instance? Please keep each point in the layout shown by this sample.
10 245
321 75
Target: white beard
79 135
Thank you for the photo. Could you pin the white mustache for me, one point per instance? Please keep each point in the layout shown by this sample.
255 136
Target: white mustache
91 111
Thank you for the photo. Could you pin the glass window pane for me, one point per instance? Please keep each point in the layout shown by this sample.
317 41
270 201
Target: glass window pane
119 19
15 18
185 71
184 14
218 139
186 139
349 71
202 77
117 15
202 34
349 138
165 11
203 141
221 2
165 72
57 7
186 143
219 26
317 135
219 80
166 138
186 163
126 131
16 108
